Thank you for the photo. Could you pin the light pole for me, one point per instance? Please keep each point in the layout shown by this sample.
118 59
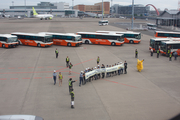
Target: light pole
12 3
132 21
25 6
102 10
72 4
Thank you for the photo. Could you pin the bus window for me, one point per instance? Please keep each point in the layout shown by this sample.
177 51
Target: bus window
12 39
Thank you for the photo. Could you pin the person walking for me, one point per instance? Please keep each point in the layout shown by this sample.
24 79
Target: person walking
60 79
136 53
98 60
157 53
56 52
54 76
70 67
81 79
125 67
67 61
70 85
151 52
170 56
72 98
175 55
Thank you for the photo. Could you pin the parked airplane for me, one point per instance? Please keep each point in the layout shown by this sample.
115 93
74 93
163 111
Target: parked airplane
5 15
42 16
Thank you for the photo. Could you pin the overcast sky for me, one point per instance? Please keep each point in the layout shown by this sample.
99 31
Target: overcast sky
162 4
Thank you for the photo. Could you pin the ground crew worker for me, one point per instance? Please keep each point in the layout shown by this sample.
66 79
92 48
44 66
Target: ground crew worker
54 76
168 52
56 52
125 67
170 56
136 53
72 99
60 79
70 66
151 52
81 79
67 61
157 53
70 85
98 60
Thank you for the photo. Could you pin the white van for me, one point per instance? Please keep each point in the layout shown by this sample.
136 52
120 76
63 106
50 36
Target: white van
103 22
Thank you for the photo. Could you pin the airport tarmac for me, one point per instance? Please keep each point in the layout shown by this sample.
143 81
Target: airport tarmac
26 84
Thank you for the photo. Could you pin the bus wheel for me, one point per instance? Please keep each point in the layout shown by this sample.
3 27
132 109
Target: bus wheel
39 45
131 41
113 43
87 42
3 45
69 44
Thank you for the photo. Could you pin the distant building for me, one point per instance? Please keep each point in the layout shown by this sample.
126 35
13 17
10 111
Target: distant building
169 18
127 10
58 9
45 5
96 8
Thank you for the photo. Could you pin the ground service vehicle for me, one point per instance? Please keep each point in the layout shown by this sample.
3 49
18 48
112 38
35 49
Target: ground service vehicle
155 43
33 39
129 36
65 39
151 26
101 38
170 45
8 40
103 22
165 34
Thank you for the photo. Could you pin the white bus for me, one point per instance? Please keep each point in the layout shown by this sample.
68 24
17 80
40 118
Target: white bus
101 38
65 39
165 34
103 22
151 26
155 43
129 36
172 46
33 39
8 40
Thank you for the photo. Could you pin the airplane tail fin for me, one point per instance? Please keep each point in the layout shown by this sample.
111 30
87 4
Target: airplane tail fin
34 11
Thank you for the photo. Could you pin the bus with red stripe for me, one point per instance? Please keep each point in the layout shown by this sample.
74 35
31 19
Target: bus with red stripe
65 39
165 34
33 39
173 46
155 43
101 38
129 36
8 40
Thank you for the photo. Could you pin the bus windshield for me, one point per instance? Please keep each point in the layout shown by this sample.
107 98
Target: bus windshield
163 46
121 38
12 39
78 38
48 39
152 43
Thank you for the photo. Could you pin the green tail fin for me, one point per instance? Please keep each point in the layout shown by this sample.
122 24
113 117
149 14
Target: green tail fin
34 11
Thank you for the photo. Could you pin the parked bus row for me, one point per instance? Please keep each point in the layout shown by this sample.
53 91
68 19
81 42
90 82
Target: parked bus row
166 42
45 39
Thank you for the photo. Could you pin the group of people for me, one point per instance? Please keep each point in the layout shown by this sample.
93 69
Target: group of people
169 54
83 80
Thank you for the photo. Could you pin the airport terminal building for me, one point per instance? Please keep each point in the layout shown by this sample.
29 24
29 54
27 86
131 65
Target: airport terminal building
58 9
